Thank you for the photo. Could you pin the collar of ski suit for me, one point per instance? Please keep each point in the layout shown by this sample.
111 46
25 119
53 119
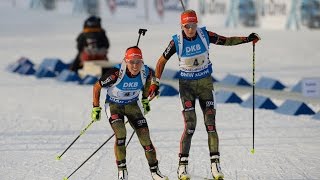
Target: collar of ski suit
188 38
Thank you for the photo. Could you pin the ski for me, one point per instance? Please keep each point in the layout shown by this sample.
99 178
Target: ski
184 178
204 178
200 177
197 177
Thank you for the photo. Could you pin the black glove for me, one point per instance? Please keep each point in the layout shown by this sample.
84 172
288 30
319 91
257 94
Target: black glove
253 37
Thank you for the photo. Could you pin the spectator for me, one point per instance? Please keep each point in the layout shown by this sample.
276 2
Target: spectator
92 43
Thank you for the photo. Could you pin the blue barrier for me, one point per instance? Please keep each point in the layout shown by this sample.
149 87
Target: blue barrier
169 74
68 76
26 69
167 90
292 107
316 116
227 97
176 75
297 88
214 79
42 72
269 83
234 80
53 64
88 79
14 67
260 102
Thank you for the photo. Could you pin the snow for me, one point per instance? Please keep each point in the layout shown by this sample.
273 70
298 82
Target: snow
40 118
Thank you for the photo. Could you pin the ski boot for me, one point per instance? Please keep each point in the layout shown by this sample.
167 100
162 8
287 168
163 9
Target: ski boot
123 174
122 170
215 168
183 169
156 174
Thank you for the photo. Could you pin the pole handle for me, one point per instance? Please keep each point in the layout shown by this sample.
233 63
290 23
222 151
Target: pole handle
143 32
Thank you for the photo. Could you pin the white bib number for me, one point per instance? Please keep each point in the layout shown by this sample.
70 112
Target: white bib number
195 62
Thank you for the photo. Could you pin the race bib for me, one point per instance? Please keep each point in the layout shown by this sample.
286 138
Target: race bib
127 94
195 62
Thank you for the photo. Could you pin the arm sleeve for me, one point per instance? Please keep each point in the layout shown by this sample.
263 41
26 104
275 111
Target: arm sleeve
226 41
145 91
109 78
170 50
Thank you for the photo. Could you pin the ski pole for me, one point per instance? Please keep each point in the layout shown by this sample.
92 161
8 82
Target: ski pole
181 1
143 32
130 138
253 92
66 178
81 133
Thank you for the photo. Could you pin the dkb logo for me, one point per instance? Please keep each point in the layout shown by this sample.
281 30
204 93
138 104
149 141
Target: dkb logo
130 84
193 48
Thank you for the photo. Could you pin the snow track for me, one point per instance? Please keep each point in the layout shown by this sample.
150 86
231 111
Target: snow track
39 118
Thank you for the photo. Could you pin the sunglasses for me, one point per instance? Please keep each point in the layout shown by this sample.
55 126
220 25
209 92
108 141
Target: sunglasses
192 26
135 61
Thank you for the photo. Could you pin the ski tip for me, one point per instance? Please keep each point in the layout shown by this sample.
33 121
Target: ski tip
252 151
185 178
58 158
65 178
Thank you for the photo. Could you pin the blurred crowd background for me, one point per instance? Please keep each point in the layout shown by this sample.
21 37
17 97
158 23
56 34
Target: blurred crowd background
274 14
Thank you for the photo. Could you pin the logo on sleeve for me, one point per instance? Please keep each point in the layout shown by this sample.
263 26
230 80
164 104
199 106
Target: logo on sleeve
110 78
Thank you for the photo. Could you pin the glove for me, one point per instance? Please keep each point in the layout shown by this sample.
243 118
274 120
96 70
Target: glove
153 90
146 105
253 37
95 113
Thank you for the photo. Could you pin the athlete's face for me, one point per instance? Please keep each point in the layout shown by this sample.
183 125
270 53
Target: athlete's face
189 29
134 66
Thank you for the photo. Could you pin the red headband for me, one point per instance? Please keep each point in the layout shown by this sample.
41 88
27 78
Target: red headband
189 17
133 53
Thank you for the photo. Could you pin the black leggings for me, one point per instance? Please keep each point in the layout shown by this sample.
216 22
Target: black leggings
137 121
201 89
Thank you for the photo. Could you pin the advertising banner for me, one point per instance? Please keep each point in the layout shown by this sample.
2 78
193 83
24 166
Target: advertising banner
274 13
214 12
311 87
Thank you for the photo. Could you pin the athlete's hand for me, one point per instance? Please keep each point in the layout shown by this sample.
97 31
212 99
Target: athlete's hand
146 105
95 113
153 90
253 37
